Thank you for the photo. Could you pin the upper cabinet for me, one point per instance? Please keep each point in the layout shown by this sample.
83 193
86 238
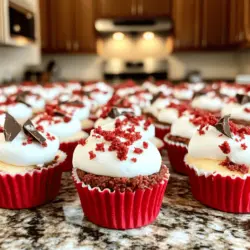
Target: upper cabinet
67 26
187 24
132 8
215 20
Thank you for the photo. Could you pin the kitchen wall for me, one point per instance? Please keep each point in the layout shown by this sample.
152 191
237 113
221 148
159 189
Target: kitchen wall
13 60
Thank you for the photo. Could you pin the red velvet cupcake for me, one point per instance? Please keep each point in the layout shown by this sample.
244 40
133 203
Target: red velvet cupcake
30 165
219 166
119 177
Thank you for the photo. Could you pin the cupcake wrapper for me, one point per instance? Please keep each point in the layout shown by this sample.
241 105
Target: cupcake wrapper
68 148
117 210
223 193
30 189
161 131
176 153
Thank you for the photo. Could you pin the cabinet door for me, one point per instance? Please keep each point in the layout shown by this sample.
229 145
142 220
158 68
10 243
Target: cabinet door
44 24
116 8
152 9
187 21
62 12
84 37
215 19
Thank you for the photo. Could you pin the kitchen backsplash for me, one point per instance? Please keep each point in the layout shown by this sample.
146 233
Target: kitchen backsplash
224 65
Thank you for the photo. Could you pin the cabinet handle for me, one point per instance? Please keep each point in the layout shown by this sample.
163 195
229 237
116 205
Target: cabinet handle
68 45
76 45
133 7
140 7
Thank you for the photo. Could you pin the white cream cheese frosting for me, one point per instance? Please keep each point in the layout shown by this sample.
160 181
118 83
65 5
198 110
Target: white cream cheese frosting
107 163
242 112
57 126
207 102
183 94
206 146
18 153
183 127
19 111
167 115
228 108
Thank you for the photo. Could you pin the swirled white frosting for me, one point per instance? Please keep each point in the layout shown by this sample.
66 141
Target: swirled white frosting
207 102
58 126
183 94
207 146
239 113
19 111
107 164
35 102
122 92
80 113
10 90
228 108
167 115
152 88
183 127
196 87
16 153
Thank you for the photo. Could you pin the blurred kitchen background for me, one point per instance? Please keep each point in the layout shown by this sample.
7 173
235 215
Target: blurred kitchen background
119 39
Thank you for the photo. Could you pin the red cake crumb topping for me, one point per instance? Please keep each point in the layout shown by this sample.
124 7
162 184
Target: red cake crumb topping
44 144
40 128
247 110
181 108
225 147
1 129
121 147
242 168
138 151
92 155
243 146
134 160
100 147
145 145
82 142
29 140
123 184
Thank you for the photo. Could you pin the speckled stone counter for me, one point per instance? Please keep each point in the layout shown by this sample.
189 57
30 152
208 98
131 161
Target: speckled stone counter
183 223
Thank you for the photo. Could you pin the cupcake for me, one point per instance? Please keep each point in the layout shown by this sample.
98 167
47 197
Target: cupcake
211 102
183 92
65 127
118 174
180 134
50 91
17 108
218 162
32 100
127 118
9 89
30 164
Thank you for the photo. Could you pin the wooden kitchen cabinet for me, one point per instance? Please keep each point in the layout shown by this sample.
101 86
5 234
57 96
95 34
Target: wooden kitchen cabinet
240 23
44 23
187 24
68 26
115 8
84 39
132 8
215 19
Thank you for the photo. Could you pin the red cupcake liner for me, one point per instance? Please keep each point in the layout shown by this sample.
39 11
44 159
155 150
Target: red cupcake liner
31 189
120 210
68 148
176 154
225 193
161 131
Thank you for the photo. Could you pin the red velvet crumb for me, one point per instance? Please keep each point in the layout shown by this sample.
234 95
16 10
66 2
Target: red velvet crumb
100 147
138 151
145 145
92 155
133 159
225 147
247 110
242 168
82 142
243 146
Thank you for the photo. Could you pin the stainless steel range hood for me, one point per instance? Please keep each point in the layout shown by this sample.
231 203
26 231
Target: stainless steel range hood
137 25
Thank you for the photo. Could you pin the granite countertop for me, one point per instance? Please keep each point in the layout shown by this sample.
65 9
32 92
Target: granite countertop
183 223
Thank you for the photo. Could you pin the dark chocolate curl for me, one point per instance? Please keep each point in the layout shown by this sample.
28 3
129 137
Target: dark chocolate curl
75 102
11 128
113 113
242 99
29 128
21 98
223 126
155 97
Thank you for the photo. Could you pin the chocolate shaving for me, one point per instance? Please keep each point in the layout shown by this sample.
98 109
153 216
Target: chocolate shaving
242 99
199 93
11 128
21 98
113 113
223 126
155 97
29 128
75 102
87 93
59 113
131 113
